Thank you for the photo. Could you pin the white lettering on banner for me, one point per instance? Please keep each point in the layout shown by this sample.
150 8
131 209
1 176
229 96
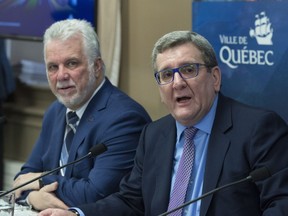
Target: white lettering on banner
235 57
262 32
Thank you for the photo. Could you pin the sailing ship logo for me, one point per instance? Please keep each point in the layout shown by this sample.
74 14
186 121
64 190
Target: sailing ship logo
263 31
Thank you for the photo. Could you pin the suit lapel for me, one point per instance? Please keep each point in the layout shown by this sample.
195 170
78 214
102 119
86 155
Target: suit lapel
58 134
217 148
97 103
164 166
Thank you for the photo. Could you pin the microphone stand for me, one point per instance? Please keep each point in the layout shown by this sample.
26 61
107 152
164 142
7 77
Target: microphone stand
47 173
205 195
255 175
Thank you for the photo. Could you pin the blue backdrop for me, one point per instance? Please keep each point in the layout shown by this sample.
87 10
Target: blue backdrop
251 42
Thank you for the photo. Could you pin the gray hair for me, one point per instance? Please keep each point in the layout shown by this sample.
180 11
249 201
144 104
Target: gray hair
63 30
177 38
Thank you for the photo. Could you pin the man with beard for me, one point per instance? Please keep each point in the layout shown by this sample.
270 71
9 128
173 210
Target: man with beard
104 114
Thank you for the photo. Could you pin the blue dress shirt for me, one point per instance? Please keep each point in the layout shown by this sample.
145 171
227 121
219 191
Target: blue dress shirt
201 140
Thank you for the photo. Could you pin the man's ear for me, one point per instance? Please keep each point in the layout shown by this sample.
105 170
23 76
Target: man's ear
98 67
216 74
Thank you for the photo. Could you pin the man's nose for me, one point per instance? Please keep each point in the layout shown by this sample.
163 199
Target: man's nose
63 73
178 80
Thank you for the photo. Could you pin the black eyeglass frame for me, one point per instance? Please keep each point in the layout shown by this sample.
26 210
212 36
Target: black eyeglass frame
177 70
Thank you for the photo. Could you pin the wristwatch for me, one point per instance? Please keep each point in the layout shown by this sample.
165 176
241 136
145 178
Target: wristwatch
74 211
25 202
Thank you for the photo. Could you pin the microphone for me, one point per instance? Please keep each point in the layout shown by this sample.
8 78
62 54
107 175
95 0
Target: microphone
256 175
93 152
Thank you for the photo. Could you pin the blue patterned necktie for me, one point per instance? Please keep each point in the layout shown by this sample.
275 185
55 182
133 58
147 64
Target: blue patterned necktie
72 120
184 171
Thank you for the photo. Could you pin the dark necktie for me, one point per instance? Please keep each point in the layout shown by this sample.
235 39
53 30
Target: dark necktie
72 120
184 171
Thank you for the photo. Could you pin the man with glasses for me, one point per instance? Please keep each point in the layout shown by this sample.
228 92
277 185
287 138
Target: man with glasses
226 141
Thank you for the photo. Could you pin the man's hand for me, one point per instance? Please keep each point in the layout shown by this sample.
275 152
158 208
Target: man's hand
21 179
56 212
45 198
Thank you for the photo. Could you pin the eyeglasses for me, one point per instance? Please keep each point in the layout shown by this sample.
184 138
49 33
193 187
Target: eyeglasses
186 71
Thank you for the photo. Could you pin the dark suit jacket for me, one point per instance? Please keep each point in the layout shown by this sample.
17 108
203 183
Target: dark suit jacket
242 139
111 118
